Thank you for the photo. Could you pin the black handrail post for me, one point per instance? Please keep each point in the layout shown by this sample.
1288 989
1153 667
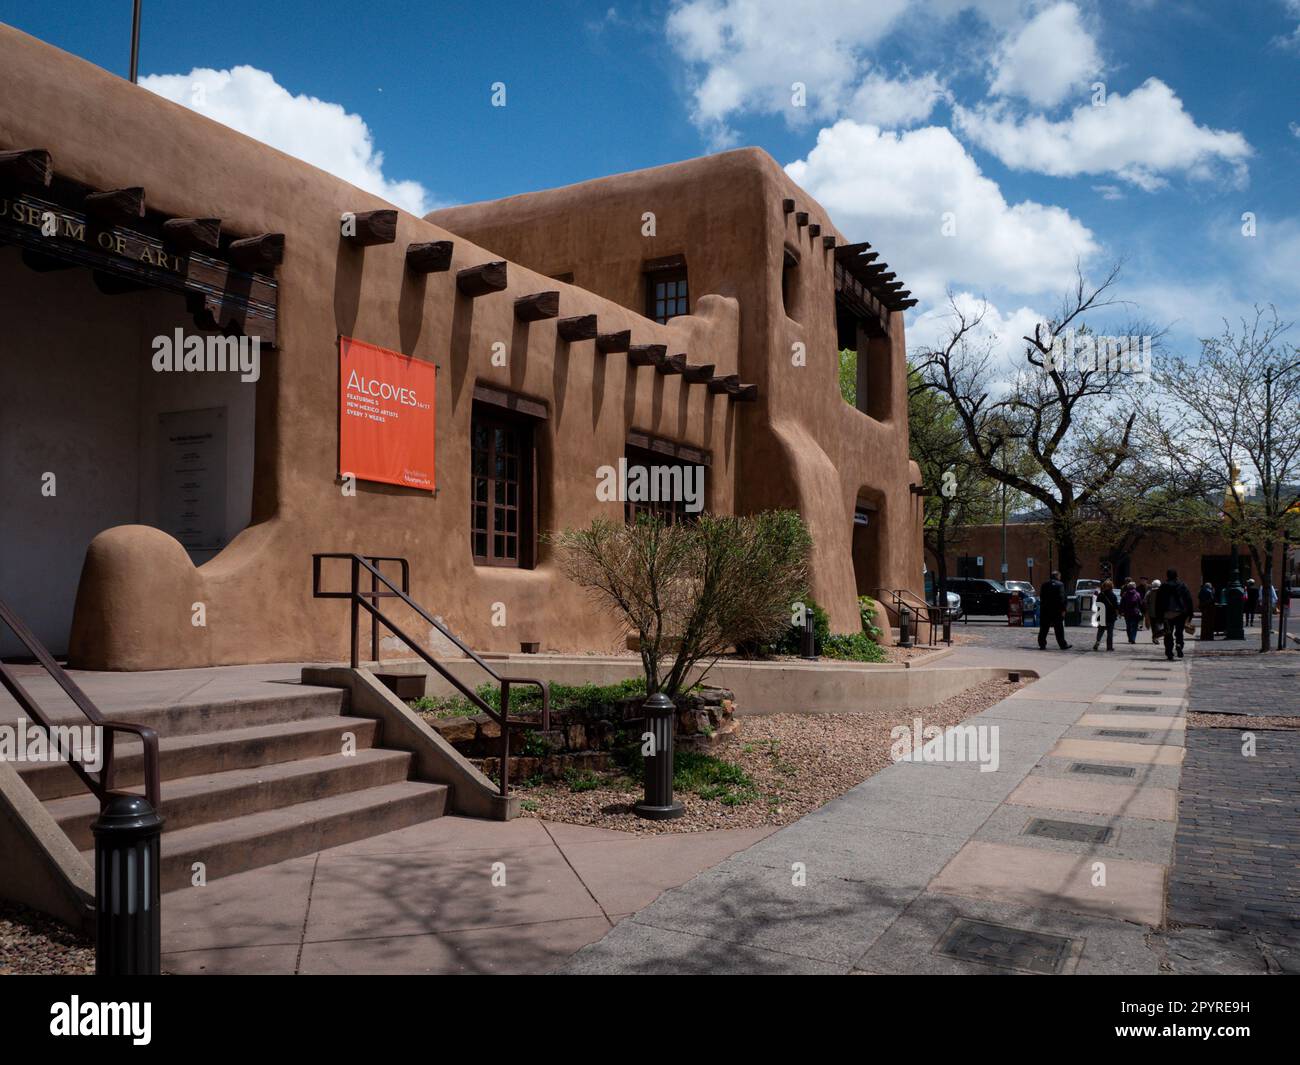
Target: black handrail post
128 927
355 604
374 616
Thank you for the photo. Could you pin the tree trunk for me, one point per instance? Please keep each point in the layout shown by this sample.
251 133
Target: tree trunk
1067 556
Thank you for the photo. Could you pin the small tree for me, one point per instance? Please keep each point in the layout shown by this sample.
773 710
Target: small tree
690 590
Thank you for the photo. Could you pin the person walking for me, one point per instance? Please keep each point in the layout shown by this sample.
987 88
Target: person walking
1174 606
1051 611
1110 606
1143 586
1252 600
1206 597
1149 610
1130 605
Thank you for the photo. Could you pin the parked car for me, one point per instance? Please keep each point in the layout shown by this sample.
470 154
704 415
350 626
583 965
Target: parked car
1087 584
981 596
1027 593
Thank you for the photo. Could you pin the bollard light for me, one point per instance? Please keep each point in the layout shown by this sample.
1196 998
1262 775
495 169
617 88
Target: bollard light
808 639
659 804
904 626
128 933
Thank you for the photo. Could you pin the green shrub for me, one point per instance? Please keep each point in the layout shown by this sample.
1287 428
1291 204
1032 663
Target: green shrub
791 641
581 780
853 647
867 612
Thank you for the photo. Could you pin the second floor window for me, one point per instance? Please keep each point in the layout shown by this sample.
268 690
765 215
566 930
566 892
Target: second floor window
665 289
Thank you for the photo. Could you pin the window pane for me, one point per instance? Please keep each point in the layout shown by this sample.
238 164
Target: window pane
480 545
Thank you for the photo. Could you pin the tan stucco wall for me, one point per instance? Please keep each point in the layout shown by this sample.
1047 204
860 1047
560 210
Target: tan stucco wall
798 446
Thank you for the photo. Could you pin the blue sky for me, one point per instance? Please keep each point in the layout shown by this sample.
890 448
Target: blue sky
980 114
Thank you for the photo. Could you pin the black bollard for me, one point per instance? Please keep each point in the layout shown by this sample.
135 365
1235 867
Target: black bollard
904 626
808 638
659 804
128 935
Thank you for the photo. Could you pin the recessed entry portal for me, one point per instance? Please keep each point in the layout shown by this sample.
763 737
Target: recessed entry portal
868 546
93 436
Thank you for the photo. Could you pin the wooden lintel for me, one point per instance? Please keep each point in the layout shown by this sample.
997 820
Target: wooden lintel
787 206
608 343
475 281
27 166
260 253
193 234
745 394
579 327
431 257
537 306
646 354
814 230
699 375
725 384
671 364
365 228
117 205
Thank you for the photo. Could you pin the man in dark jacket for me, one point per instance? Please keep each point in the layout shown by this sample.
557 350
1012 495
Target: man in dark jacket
1174 607
1051 611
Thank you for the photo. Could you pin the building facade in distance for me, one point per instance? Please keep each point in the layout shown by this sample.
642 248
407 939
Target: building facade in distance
164 516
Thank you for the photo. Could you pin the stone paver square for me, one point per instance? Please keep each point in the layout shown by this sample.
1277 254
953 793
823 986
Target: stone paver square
1131 838
1033 876
1086 750
262 906
933 815
1117 798
1134 721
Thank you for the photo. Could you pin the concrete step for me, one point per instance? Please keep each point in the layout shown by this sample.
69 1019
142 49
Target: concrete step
212 752
260 839
296 702
199 800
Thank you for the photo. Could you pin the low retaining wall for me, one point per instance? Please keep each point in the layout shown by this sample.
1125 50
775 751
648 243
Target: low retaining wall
823 687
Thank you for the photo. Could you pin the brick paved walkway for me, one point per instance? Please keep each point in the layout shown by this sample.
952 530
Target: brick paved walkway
1246 683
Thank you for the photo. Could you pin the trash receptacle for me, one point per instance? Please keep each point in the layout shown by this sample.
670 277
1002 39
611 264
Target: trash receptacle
1074 608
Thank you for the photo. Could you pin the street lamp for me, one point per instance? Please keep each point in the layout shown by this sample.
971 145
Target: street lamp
1235 594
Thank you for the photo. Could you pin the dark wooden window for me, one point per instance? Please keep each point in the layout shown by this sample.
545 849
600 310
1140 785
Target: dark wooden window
670 511
501 488
665 289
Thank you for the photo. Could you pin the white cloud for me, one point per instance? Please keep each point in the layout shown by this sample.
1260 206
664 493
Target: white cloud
1046 59
315 131
895 189
1109 192
895 102
1004 332
746 55
1140 138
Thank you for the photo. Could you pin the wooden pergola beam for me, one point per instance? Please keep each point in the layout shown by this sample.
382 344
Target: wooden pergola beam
608 343
538 306
902 305
646 354
579 327
117 205
846 253
430 257
475 281
193 234
371 227
262 252
27 166
699 375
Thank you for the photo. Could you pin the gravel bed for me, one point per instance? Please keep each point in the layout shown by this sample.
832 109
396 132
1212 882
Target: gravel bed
798 762
32 944
1241 722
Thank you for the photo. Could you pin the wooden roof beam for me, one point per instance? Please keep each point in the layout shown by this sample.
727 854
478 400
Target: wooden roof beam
579 327
260 253
482 280
193 234
538 306
431 257
367 228
27 166
608 343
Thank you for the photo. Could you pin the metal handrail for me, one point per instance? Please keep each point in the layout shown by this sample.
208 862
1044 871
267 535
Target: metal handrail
101 787
934 615
369 600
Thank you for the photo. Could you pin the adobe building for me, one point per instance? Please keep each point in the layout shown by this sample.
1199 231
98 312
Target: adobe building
162 512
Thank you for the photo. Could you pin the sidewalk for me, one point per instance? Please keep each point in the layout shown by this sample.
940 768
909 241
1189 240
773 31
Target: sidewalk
453 895
1056 862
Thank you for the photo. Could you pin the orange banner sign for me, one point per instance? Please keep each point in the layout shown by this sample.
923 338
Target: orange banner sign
385 415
